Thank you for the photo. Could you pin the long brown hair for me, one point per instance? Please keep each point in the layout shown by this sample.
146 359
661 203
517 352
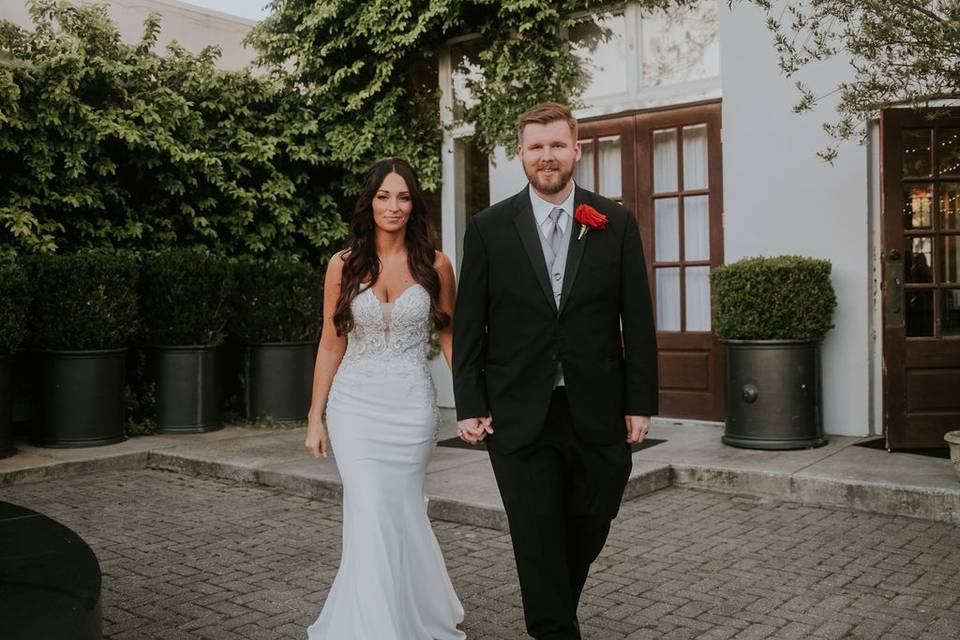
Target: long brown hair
361 262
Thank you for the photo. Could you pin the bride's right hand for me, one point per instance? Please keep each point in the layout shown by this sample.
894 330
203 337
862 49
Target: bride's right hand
316 442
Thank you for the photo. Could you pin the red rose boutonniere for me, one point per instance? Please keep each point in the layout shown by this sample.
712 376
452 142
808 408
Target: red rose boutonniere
588 217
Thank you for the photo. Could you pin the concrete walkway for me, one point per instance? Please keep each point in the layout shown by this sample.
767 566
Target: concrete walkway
461 487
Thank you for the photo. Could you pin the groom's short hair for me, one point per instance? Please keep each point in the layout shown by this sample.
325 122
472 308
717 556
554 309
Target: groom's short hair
545 113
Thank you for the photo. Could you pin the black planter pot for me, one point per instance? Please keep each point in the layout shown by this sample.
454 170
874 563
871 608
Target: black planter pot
189 388
279 378
80 398
6 406
773 394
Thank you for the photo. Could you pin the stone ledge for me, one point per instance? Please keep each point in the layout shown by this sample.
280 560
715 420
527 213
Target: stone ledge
61 469
929 503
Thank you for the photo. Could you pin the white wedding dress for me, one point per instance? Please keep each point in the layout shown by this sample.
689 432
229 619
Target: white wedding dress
382 420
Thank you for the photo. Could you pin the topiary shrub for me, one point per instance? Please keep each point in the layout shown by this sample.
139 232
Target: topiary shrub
185 296
777 298
83 301
14 305
277 301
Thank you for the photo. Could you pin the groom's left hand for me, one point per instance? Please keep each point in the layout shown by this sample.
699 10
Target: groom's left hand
637 428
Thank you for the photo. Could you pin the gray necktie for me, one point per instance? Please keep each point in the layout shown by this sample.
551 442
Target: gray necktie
556 234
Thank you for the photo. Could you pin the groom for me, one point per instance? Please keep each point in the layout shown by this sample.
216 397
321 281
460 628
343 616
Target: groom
555 364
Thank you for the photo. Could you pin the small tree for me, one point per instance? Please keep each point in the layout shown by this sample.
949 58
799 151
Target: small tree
901 52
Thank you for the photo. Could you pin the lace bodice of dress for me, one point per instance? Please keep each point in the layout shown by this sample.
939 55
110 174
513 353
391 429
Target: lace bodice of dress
402 345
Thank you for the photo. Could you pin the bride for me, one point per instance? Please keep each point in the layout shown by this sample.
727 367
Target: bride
372 384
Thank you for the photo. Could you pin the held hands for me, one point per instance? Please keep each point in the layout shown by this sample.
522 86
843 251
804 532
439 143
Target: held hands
473 430
316 442
637 428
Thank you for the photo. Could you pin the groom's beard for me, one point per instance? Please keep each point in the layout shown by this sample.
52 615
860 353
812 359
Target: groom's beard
553 182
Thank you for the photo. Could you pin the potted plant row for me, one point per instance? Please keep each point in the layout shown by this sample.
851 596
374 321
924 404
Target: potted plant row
84 312
771 315
185 297
278 315
14 305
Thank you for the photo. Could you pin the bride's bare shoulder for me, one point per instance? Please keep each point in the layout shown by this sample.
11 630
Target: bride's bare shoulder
337 260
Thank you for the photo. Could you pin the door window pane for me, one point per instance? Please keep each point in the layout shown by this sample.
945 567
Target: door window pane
917 202
603 54
667 225
665 160
950 312
668 299
949 152
698 298
695 157
918 263
919 312
583 173
950 205
950 260
696 228
678 42
916 152
465 59
610 186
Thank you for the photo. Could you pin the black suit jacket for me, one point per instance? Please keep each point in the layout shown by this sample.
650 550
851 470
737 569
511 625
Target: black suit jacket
508 333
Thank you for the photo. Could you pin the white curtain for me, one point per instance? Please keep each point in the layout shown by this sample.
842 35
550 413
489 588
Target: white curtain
665 160
698 298
695 165
668 299
696 228
583 174
610 183
667 229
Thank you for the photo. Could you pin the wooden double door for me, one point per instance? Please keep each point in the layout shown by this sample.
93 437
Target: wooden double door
920 174
666 167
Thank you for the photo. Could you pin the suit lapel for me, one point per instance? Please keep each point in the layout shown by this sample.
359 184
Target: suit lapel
574 251
527 228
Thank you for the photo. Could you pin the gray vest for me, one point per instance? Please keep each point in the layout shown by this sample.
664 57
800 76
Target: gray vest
556 265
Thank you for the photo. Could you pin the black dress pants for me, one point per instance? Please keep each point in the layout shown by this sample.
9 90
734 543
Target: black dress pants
560 495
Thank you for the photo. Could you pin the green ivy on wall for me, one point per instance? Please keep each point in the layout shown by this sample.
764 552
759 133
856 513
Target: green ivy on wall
369 68
104 144
108 144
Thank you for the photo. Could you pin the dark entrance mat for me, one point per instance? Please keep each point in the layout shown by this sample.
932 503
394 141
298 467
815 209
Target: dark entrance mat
457 443
880 443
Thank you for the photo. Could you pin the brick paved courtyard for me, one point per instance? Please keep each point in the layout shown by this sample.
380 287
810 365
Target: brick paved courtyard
193 558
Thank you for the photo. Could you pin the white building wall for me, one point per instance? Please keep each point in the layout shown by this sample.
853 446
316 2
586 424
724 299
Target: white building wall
781 198
192 27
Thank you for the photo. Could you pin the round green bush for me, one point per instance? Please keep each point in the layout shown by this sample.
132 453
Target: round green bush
185 297
84 301
277 301
777 298
14 305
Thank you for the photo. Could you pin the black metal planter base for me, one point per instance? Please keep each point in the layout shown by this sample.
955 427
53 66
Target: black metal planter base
80 399
189 389
279 378
173 430
774 445
773 395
